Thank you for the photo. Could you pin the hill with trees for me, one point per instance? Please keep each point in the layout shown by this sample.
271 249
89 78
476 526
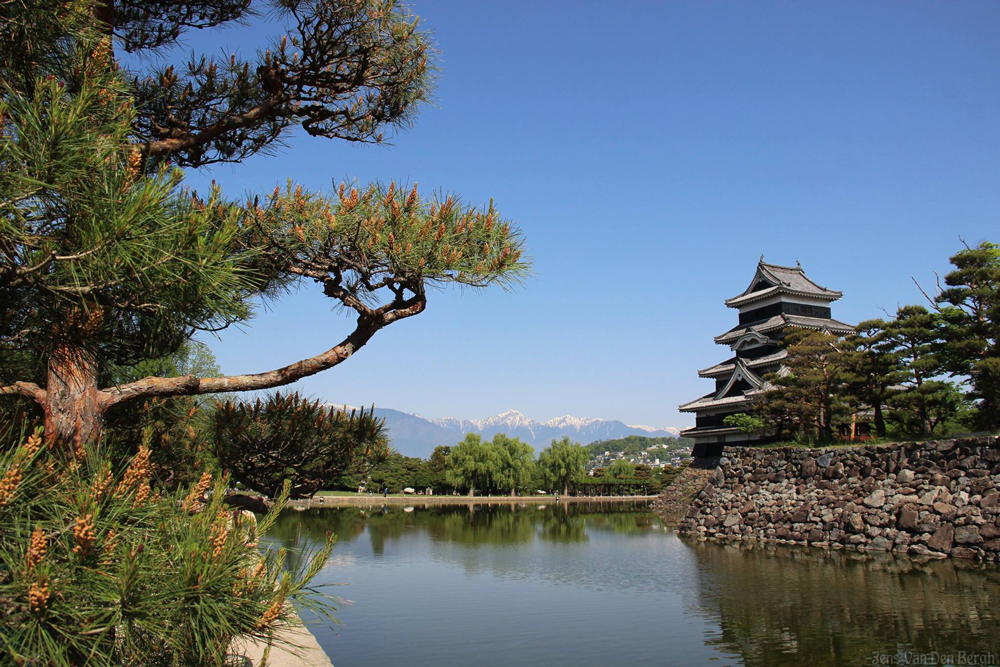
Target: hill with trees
634 444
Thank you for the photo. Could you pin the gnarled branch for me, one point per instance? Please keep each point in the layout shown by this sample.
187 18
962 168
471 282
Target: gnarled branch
189 385
26 389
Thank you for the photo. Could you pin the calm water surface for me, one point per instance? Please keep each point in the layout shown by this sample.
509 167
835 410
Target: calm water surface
608 585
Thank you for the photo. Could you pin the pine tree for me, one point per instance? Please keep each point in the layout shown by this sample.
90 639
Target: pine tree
970 311
871 369
105 260
809 392
286 437
926 401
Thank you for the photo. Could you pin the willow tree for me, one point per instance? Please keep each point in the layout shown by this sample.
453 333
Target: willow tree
106 260
517 462
473 464
563 463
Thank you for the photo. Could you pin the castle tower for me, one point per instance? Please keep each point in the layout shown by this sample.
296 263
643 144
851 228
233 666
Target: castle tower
778 297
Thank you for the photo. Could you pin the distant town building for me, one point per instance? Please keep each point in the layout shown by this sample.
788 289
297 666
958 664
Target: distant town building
779 297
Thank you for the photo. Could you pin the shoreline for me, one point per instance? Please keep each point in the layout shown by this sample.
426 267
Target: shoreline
297 646
365 500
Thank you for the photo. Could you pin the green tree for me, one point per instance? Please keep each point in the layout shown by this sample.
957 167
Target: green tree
563 463
748 423
177 428
970 311
105 261
872 370
517 461
396 473
620 469
926 401
99 571
437 464
810 393
472 464
634 444
265 442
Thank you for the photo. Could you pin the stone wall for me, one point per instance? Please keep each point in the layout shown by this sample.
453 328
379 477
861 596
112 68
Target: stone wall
933 499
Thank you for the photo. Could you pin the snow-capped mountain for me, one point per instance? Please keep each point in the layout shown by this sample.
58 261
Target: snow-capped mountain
414 435
651 429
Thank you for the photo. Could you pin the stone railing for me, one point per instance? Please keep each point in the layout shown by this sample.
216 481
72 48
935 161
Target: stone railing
935 499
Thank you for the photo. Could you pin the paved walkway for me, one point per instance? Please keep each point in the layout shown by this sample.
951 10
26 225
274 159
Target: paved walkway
364 500
305 653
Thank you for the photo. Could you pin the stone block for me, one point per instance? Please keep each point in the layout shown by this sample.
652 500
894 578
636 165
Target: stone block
944 508
908 519
968 535
880 544
943 538
876 499
856 523
989 531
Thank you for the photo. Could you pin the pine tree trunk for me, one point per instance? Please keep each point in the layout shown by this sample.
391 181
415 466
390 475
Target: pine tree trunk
925 421
74 413
879 421
566 489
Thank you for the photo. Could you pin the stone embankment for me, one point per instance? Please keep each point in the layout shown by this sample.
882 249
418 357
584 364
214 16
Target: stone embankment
935 499
676 499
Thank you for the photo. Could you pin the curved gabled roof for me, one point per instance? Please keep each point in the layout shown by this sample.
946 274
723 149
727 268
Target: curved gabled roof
780 322
773 279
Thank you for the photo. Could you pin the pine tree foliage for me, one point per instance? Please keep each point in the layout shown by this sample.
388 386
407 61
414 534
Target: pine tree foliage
926 399
342 69
809 392
287 437
871 369
93 252
970 310
98 569
105 260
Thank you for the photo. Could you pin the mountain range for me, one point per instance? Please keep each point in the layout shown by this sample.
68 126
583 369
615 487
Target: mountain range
413 435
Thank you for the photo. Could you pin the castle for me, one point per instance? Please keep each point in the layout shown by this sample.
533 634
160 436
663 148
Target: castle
779 297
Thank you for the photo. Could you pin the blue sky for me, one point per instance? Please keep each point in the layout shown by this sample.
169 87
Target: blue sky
650 154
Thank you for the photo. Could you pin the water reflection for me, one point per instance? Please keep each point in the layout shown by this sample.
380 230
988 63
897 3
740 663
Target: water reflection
787 606
470 525
530 580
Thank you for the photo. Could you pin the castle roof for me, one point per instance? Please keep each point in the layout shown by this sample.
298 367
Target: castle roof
710 401
729 365
731 395
781 321
771 279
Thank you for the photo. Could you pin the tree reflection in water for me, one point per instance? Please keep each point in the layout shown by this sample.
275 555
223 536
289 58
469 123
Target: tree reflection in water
542 573
468 524
790 606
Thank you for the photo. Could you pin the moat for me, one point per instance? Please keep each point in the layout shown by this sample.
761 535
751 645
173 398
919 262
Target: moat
608 584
